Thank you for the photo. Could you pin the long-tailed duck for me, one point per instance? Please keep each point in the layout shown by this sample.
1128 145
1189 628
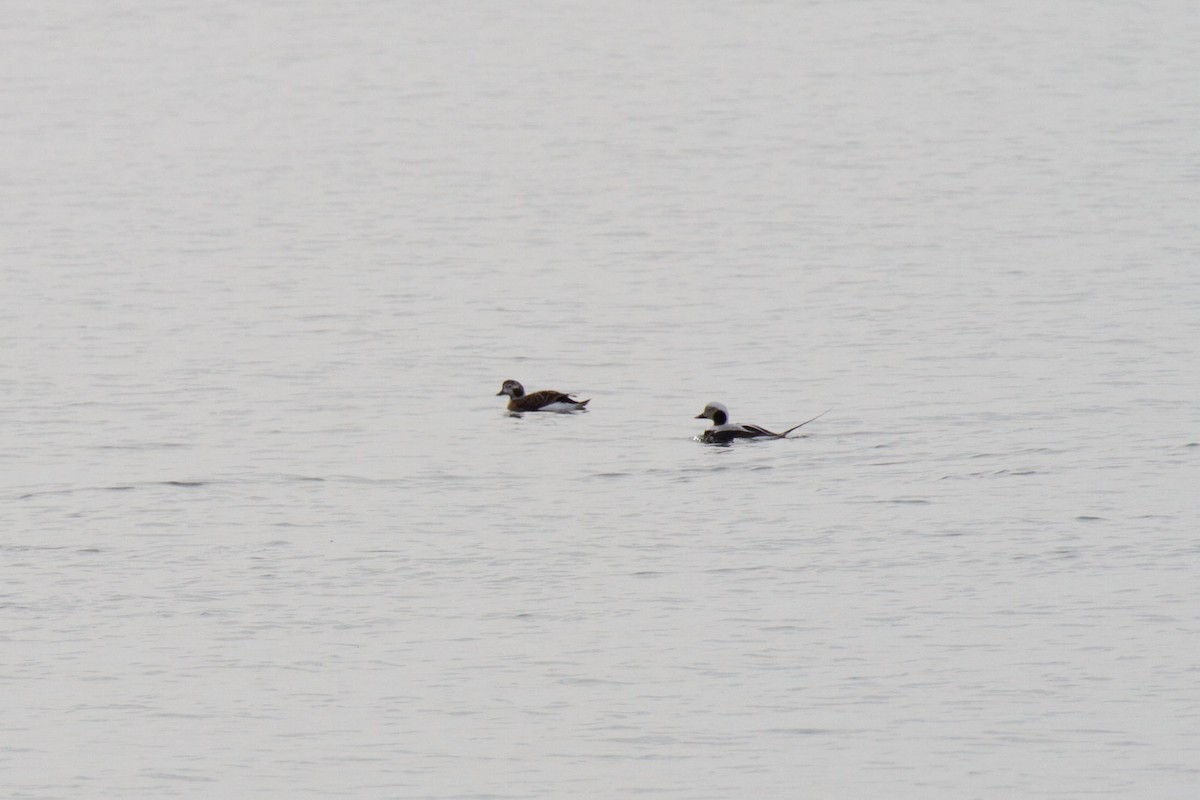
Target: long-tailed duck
545 400
725 431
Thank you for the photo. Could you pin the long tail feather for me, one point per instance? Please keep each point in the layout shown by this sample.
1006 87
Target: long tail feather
802 424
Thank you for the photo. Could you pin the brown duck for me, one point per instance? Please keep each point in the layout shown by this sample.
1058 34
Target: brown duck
545 400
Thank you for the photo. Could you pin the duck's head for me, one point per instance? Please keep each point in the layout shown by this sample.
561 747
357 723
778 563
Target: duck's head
717 412
512 389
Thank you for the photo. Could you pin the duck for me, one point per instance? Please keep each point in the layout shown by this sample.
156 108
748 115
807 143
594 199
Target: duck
725 431
545 400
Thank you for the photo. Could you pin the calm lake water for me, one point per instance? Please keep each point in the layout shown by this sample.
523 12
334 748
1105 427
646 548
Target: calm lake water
266 530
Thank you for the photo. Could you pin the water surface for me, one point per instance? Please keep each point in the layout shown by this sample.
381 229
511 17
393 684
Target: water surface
268 531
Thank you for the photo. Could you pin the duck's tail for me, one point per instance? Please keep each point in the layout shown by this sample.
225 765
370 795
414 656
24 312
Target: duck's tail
802 424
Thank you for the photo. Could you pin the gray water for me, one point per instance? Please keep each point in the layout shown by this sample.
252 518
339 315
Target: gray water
266 530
